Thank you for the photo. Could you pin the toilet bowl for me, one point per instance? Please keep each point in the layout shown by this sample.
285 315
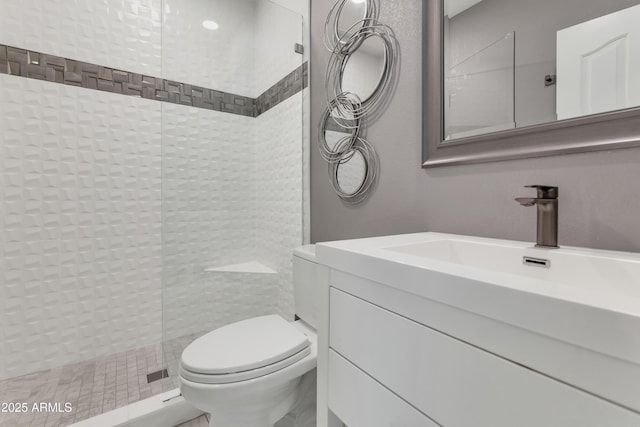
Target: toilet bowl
246 374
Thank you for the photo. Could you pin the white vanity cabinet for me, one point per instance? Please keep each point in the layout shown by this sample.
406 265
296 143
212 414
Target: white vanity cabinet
392 357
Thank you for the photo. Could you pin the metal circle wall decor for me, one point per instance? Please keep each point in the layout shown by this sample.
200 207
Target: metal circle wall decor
349 186
343 18
335 119
359 73
343 56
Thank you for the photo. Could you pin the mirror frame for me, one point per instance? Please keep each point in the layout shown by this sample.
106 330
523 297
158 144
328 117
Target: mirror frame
597 132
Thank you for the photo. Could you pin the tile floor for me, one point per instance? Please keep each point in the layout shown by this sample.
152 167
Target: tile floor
94 386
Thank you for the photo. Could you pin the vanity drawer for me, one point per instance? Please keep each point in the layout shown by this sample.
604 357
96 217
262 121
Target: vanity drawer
454 383
358 400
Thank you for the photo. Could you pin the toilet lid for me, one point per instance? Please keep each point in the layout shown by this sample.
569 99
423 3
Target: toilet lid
243 346
244 375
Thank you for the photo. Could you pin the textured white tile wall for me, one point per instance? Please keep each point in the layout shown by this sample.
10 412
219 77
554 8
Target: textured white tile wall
279 29
81 182
80 237
84 167
306 165
124 34
279 185
297 28
301 7
252 49
221 59
232 192
209 212
279 150
208 199
204 302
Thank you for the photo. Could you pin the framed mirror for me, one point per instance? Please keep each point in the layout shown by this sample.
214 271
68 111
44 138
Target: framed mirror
510 79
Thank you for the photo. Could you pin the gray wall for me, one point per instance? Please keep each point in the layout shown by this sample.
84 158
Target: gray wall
599 192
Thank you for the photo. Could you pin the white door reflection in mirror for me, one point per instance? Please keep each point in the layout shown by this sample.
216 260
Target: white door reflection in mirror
598 65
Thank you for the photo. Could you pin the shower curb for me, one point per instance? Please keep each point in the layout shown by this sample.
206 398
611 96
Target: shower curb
162 410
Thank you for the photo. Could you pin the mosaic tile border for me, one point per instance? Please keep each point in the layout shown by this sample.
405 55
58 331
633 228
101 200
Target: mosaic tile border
291 84
37 65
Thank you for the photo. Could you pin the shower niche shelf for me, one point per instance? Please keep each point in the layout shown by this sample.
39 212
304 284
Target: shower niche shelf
254 267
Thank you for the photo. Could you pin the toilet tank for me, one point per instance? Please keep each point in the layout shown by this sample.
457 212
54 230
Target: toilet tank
305 289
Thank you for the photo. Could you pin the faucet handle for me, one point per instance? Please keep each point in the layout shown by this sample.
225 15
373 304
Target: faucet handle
545 191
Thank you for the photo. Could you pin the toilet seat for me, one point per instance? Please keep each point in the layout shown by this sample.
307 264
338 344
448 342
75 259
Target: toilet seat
244 350
245 375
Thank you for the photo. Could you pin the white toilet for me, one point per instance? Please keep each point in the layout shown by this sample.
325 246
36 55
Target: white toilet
246 374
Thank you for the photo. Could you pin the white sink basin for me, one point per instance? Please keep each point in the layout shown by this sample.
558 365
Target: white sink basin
593 271
581 314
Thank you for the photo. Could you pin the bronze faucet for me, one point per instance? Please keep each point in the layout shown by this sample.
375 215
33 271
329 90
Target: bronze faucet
547 203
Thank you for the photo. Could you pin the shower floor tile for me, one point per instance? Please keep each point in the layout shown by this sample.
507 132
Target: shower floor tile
92 387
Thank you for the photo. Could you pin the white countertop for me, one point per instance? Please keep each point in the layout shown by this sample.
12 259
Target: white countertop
595 316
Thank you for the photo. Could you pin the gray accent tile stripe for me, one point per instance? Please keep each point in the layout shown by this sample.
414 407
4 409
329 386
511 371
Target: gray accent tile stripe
291 84
55 69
